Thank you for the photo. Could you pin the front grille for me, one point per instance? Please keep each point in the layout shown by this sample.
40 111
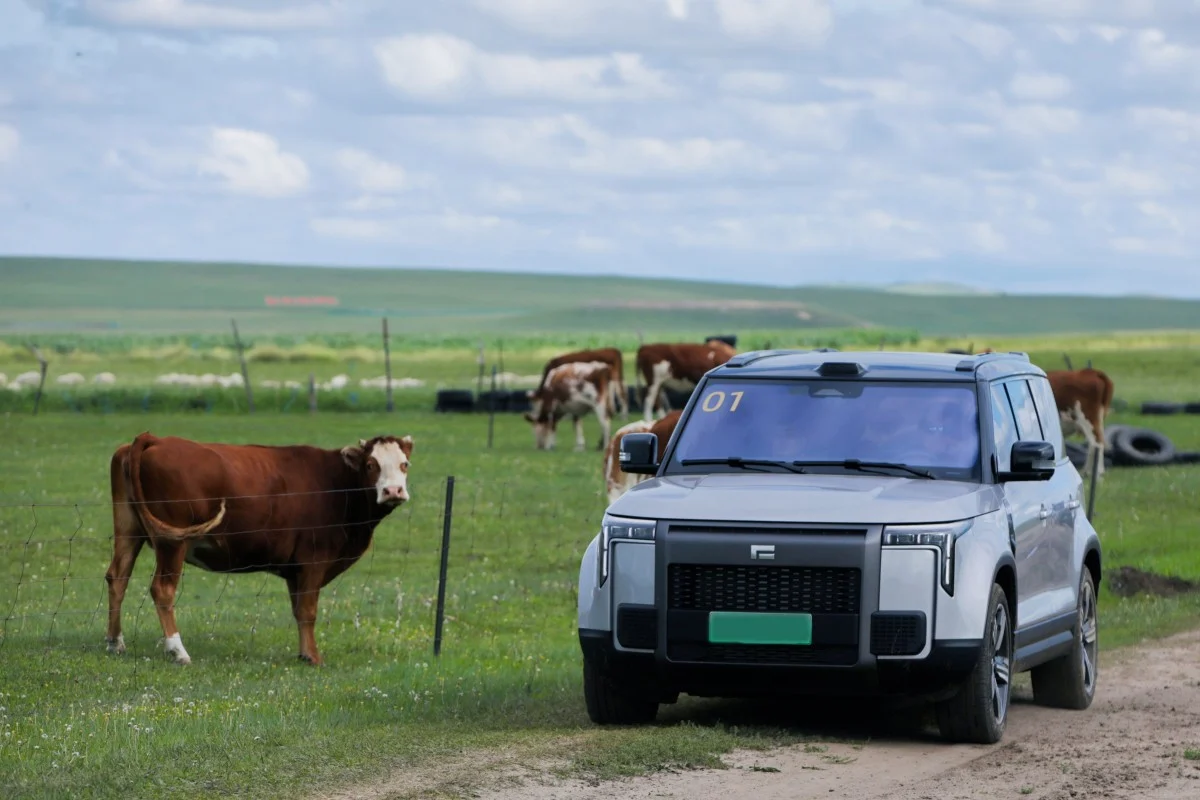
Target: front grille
897 633
714 587
637 627
761 654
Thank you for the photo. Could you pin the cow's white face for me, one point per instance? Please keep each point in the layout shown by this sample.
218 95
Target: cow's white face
384 468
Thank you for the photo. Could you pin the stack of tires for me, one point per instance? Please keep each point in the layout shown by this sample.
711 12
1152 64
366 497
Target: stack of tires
1131 446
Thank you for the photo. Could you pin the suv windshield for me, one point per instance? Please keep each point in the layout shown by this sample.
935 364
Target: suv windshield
930 426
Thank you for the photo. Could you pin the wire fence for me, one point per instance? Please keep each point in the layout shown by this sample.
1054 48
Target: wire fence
484 565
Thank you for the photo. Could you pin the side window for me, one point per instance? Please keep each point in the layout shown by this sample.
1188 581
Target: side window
1004 426
1022 404
1048 413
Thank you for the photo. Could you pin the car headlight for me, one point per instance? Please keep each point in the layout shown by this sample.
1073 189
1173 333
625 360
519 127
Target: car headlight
617 528
940 537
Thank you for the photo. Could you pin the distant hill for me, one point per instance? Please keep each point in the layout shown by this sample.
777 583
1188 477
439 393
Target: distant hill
38 294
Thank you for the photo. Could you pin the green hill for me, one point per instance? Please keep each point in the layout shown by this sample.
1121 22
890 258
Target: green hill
60 295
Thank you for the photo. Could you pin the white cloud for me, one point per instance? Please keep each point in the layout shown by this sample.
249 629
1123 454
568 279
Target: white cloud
1153 52
1039 86
1134 181
448 224
986 238
252 163
886 91
10 140
444 67
752 81
369 173
805 21
185 15
678 9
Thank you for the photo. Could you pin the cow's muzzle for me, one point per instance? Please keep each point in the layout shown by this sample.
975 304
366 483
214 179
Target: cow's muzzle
393 495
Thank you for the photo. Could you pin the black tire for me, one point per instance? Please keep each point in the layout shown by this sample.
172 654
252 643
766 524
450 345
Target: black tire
1192 457
1070 681
455 400
609 703
978 712
1077 453
1191 408
1159 408
1141 447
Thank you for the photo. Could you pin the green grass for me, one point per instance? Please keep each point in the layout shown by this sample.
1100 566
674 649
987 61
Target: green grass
42 296
247 718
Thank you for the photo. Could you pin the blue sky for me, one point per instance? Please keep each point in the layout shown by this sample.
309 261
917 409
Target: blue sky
1025 145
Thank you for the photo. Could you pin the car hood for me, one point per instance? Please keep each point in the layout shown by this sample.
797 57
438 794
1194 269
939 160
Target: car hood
812 498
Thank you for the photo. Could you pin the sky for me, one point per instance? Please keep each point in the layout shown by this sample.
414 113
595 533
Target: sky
1018 145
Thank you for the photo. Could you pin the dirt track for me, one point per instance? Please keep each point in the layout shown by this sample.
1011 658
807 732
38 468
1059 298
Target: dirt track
1129 744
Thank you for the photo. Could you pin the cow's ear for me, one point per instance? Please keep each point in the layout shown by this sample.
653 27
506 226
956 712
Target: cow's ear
353 456
406 444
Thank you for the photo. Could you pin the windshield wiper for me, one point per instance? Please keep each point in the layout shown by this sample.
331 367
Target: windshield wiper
866 466
744 463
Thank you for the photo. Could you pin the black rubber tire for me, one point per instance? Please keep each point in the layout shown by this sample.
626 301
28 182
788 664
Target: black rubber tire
968 716
1065 682
1191 408
1160 408
609 703
459 400
1141 447
1191 457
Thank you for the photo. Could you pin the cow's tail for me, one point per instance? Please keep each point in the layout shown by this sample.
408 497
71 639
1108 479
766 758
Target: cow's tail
151 522
1108 393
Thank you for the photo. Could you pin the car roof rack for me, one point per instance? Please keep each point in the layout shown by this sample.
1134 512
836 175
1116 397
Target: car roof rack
972 363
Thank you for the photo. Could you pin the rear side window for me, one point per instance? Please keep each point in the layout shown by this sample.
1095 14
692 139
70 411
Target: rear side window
1004 426
1048 413
1028 425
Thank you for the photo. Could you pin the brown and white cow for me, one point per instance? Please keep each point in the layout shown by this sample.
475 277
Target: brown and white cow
676 366
616 482
1084 399
616 364
574 389
303 513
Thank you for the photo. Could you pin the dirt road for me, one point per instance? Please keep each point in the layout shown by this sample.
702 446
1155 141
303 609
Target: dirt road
1140 740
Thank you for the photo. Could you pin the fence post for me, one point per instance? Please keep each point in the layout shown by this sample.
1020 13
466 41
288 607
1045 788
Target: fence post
1067 359
492 408
43 365
441 598
1091 507
479 360
387 366
245 373
312 393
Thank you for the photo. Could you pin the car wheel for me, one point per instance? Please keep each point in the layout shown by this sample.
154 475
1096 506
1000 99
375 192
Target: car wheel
1070 681
610 703
978 713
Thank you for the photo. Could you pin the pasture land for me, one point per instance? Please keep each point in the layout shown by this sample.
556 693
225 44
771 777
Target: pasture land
247 718
44 295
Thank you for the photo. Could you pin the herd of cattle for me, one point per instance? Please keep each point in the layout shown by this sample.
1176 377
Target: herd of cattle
219 507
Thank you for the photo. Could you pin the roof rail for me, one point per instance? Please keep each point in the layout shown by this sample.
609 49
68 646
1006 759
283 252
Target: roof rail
750 356
972 363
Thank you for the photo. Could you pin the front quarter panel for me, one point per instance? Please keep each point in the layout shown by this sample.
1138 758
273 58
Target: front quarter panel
978 557
594 605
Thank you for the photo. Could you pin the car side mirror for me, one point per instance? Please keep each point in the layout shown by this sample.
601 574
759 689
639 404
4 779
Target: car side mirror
639 453
1030 461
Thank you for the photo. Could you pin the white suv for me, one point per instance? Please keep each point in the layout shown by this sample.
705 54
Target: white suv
859 523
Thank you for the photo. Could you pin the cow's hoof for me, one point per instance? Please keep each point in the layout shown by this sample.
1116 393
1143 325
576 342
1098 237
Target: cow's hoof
182 660
116 645
310 660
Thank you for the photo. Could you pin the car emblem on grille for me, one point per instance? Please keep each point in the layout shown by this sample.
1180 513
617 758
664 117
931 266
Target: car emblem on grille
762 552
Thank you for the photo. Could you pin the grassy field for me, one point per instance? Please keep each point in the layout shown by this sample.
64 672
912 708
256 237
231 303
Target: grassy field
246 718
43 296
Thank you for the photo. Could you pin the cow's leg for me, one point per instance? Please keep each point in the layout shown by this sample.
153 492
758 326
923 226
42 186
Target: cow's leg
1084 426
580 442
605 420
304 587
128 540
163 587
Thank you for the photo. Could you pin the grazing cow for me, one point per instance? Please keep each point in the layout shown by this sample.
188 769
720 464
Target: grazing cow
616 482
616 364
576 388
1084 399
676 366
303 513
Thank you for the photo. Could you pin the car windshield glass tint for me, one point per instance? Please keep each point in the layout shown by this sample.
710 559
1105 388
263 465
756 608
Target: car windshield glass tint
932 426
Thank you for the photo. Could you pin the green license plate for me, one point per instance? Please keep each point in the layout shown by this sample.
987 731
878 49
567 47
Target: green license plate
736 627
